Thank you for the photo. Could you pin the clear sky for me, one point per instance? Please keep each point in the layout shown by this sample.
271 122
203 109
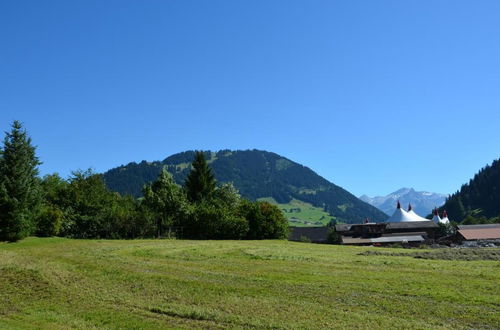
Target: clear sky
372 95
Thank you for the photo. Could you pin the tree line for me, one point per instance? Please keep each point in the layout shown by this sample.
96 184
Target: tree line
478 201
257 174
81 206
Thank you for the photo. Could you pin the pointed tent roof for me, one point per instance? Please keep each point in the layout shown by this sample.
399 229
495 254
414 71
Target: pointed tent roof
436 217
401 215
414 215
445 219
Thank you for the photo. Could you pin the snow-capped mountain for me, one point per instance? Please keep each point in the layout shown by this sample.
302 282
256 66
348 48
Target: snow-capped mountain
422 201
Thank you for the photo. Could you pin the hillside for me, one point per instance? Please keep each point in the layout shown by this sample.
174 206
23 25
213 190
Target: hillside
256 174
423 202
479 197
57 283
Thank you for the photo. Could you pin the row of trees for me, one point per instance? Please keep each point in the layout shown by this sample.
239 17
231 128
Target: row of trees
83 207
203 210
477 201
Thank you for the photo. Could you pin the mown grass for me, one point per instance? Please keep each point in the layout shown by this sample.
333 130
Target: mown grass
445 254
61 283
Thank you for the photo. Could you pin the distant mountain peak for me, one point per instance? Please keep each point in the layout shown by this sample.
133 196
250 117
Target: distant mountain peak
403 191
422 202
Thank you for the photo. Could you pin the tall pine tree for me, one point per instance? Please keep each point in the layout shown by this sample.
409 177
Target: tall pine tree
19 185
200 183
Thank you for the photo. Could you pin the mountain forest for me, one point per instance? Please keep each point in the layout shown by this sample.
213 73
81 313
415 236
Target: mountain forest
257 175
477 201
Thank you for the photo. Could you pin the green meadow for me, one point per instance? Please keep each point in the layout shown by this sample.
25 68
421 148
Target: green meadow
57 283
302 214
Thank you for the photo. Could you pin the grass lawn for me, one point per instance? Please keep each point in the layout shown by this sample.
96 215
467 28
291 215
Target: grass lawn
60 283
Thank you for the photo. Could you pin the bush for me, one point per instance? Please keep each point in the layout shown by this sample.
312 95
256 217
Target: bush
333 237
210 220
265 221
446 229
49 221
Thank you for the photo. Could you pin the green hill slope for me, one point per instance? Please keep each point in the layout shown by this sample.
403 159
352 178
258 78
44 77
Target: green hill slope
256 174
302 214
480 197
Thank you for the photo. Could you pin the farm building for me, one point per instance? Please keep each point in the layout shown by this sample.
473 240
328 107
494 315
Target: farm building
490 232
313 234
411 232
382 233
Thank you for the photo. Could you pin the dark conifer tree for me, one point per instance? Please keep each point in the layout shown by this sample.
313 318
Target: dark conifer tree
200 182
19 185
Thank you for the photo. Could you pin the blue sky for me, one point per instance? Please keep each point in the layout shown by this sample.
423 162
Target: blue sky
372 95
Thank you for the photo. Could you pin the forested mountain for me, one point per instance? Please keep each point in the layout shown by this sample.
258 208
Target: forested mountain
423 202
256 174
479 198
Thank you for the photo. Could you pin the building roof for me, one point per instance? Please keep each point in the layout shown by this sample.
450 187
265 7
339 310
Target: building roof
391 225
416 216
384 239
438 219
484 226
343 227
445 219
401 215
411 225
475 232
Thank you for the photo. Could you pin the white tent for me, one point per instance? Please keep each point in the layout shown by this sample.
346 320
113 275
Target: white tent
415 216
436 217
445 219
401 215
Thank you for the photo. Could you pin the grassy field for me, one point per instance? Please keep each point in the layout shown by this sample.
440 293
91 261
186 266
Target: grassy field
302 214
60 283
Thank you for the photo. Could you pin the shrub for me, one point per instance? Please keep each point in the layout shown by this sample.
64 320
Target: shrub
210 220
333 237
446 229
49 221
265 221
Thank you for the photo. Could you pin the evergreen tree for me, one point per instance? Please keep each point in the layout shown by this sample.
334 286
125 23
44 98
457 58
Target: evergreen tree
19 185
200 183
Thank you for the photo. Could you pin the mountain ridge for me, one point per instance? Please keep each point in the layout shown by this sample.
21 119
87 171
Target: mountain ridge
256 174
422 201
